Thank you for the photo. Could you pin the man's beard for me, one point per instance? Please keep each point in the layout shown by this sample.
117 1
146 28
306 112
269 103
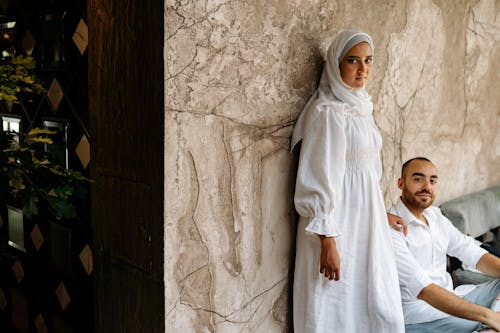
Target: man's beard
412 200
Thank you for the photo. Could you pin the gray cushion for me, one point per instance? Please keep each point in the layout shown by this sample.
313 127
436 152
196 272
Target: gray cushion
476 213
461 276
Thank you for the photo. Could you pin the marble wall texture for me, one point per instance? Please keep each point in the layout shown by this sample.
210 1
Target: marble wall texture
237 76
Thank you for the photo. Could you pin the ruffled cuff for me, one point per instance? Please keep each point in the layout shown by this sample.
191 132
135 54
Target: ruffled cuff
322 225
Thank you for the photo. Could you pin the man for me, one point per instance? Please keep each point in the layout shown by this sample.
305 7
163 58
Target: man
429 302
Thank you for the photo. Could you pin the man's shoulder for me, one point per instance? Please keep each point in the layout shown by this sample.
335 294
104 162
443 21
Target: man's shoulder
435 212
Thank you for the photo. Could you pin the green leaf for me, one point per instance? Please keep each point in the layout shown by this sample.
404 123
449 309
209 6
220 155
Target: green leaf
29 175
17 183
30 208
37 131
63 209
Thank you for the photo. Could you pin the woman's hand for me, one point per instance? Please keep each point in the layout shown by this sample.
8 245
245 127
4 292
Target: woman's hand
397 223
330 259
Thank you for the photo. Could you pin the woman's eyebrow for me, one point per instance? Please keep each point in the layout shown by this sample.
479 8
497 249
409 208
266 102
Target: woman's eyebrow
356 57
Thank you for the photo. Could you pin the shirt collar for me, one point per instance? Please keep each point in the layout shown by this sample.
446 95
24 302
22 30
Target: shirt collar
403 212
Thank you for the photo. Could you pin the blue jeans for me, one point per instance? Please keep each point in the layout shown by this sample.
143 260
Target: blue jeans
484 294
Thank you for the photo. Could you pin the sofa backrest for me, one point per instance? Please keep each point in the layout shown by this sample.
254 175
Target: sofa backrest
476 213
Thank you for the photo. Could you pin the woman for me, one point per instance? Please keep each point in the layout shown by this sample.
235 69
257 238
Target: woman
345 272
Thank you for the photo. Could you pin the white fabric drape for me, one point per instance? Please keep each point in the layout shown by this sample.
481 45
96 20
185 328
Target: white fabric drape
338 194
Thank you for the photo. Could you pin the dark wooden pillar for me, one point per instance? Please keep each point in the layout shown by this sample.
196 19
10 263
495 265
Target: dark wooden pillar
126 104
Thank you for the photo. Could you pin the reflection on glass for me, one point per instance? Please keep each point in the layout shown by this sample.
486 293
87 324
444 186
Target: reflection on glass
60 247
12 124
52 38
16 228
59 148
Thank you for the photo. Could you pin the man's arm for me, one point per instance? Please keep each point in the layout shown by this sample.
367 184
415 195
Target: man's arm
415 280
448 302
489 265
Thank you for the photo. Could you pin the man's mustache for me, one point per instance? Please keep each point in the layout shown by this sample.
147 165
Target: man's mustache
424 192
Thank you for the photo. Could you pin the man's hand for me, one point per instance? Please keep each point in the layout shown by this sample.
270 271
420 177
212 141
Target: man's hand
330 259
397 223
493 320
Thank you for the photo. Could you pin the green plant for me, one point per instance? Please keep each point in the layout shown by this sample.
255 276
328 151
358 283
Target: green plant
30 179
17 79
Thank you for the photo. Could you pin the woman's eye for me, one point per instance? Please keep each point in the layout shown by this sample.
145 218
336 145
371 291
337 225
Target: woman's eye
369 60
352 61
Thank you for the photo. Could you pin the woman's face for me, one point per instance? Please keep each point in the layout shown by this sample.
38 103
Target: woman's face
356 65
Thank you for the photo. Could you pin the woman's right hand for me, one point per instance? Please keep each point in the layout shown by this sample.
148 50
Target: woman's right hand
330 259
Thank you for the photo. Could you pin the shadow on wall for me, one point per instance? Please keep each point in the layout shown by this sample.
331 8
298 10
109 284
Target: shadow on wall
294 217
305 66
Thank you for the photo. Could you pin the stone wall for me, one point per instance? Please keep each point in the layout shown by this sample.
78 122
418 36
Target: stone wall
238 74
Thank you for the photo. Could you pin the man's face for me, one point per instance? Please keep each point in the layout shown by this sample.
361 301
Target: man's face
418 185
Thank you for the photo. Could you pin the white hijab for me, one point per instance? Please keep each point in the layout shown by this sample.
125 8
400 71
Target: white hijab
331 86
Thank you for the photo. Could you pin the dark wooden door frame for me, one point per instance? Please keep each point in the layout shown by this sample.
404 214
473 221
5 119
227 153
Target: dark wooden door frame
126 104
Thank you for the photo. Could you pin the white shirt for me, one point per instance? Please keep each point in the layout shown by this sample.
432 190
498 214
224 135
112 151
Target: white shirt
421 259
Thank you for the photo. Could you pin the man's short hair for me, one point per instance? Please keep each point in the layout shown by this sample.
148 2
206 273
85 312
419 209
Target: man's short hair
405 164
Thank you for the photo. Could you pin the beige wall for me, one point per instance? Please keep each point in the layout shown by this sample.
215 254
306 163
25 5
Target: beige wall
238 74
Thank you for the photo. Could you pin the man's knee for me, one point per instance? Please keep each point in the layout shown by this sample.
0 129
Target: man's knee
494 285
497 283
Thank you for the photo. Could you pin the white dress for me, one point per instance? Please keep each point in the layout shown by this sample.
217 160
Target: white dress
338 193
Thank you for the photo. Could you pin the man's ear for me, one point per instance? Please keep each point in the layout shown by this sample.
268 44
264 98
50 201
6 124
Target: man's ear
400 183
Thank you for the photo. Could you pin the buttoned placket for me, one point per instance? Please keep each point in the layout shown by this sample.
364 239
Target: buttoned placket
433 243
431 231
435 253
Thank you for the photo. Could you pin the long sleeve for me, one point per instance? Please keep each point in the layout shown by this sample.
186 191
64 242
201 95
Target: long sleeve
412 278
461 246
321 169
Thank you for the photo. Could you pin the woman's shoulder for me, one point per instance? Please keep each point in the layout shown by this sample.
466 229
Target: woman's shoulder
335 109
331 115
316 117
